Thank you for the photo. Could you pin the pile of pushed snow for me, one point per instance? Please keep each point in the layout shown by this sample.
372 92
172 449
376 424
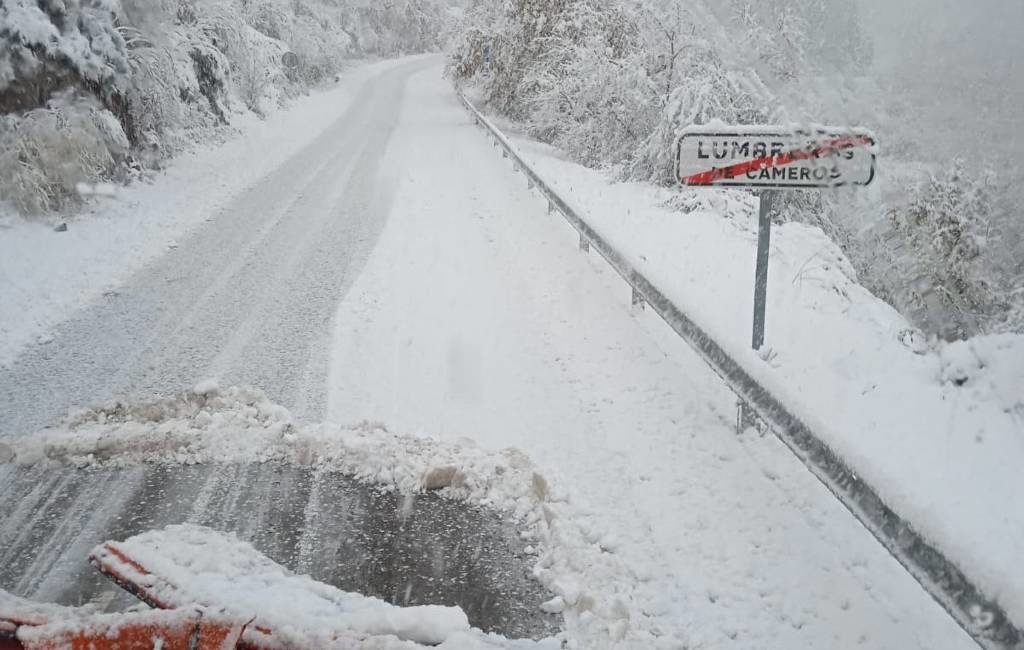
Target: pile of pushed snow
593 587
203 424
987 367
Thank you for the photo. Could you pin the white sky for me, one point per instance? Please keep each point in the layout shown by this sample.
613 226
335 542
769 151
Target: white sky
959 65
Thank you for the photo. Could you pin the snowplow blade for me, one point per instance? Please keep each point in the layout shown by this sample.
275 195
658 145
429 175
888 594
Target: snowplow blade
34 626
18 613
318 521
186 565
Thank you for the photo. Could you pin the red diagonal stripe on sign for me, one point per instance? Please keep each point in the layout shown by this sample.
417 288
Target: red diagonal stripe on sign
787 158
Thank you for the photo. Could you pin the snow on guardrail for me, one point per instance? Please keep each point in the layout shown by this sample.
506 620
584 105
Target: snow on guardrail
980 616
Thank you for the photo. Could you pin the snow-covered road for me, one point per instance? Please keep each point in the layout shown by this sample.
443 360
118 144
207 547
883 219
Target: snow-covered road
396 270
247 298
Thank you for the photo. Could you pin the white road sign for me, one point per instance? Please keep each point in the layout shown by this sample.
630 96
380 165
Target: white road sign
775 157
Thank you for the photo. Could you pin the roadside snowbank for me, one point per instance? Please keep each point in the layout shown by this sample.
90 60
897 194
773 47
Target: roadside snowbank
936 428
46 275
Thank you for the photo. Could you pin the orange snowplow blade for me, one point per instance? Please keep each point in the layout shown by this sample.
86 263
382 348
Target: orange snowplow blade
25 625
127 573
213 591
130 575
168 630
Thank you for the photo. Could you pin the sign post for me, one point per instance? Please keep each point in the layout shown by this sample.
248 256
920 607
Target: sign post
764 235
768 159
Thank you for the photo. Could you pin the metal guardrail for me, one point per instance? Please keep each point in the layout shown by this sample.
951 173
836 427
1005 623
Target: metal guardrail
980 616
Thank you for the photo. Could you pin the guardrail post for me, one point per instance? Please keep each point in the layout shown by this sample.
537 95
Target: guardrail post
584 244
504 154
747 418
551 206
637 300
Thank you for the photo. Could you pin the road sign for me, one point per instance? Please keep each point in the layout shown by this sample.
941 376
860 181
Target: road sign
775 157
768 159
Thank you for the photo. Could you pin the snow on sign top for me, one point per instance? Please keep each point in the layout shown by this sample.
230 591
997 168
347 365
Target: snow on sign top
775 157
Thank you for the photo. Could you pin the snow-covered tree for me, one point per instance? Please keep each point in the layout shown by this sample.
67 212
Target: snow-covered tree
608 82
165 73
49 45
788 40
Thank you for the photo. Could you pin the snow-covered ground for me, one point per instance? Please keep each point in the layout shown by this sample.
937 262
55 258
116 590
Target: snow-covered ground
477 325
46 275
477 320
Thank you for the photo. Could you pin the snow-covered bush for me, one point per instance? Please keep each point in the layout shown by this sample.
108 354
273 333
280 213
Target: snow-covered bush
316 49
573 70
393 27
945 253
45 152
709 91
256 68
596 108
587 90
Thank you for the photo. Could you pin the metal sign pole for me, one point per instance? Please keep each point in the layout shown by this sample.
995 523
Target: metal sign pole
764 235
